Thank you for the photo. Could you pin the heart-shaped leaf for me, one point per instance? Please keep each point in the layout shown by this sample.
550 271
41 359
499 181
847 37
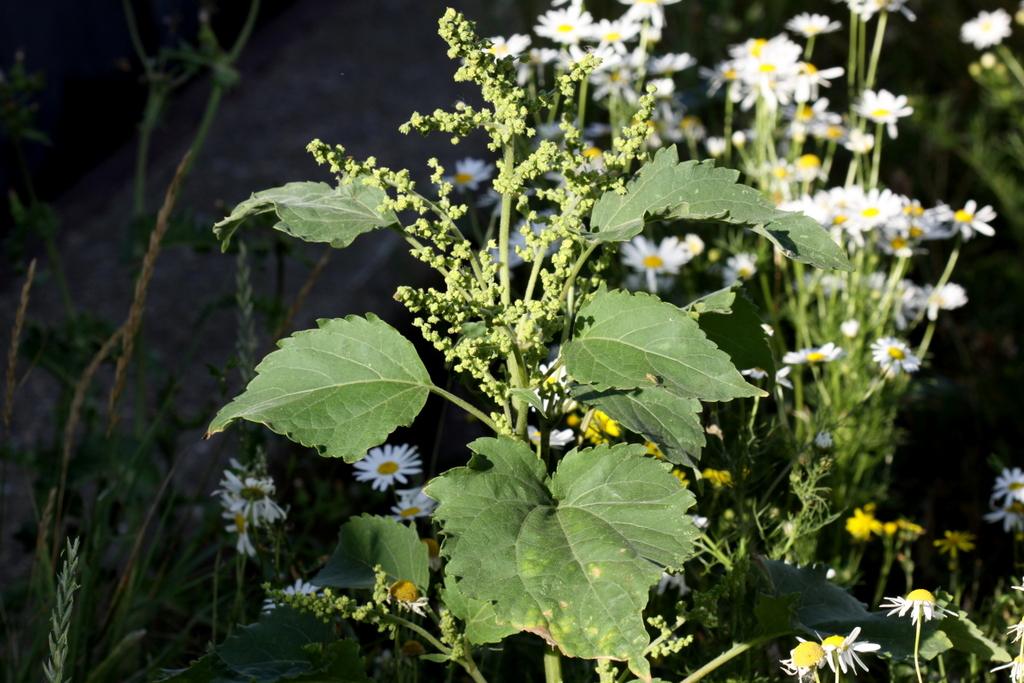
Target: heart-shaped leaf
571 559
341 388
367 541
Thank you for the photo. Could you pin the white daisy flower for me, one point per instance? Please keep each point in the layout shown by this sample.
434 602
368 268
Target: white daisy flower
947 297
810 25
677 581
251 497
1016 668
240 526
639 10
809 79
670 63
850 328
1011 515
971 219
1009 486
558 438
813 355
894 356
614 34
742 265
883 107
384 466
513 46
844 651
408 597
412 503
920 603
715 146
300 587
987 29
823 440
754 373
651 260
859 142
804 659
781 377
469 173
567 26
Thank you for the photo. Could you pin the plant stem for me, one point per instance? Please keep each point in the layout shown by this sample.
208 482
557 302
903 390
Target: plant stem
917 646
503 229
468 407
552 665
721 659
876 50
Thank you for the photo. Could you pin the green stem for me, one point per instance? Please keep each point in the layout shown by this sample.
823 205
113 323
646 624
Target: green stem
950 264
468 407
1011 62
405 623
917 647
876 50
876 160
721 659
503 229
552 665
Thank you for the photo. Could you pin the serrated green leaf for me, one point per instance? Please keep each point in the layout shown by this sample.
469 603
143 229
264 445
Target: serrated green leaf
720 300
965 635
314 212
341 388
662 418
481 623
665 189
565 559
738 332
369 540
274 647
342 664
826 609
775 614
530 397
629 341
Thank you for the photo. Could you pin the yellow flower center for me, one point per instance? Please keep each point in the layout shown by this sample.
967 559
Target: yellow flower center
744 272
462 178
880 113
766 68
838 220
962 216
916 232
690 122
410 512
389 467
433 550
807 654
834 641
252 493
565 28
653 262
834 132
1016 507
1016 486
870 212
897 354
804 112
815 357
898 243
405 591
730 75
613 37
592 152
756 47
808 161
809 69
240 523
921 595
913 210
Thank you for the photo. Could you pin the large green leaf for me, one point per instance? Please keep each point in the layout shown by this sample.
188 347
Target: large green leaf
314 212
341 388
367 541
481 622
661 417
738 332
276 646
630 341
826 609
665 189
571 558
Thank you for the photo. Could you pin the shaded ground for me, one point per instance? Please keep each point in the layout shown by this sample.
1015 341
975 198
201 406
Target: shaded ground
344 71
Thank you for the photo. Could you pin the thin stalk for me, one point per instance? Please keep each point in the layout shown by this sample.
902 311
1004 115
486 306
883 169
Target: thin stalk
468 407
721 659
1011 63
950 264
876 50
917 647
876 160
503 229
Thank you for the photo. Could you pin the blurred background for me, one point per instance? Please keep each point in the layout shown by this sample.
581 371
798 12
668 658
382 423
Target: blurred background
100 102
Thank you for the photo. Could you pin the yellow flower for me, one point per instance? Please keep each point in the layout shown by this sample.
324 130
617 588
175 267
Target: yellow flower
601 427
683 479
652 449
912 531
890 528
718 478
863 523
954 542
